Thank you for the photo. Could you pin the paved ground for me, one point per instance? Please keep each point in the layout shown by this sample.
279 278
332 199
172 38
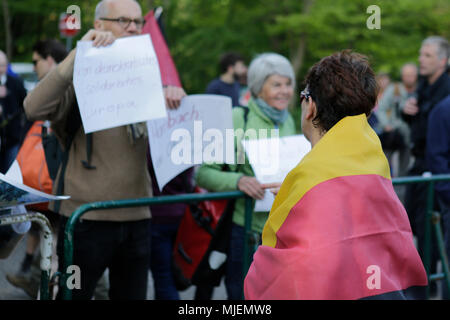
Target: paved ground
12 264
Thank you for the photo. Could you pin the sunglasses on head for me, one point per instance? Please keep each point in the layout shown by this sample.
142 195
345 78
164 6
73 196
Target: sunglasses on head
304 95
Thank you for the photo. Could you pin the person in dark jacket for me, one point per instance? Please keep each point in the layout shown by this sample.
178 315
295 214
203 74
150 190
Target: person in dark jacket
232 67
433 87
438 160
165 221
46 55
12 116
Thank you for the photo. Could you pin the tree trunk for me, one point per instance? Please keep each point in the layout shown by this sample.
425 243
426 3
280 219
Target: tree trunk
298 53
8 33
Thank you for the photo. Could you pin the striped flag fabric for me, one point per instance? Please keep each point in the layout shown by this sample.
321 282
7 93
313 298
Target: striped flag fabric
337 230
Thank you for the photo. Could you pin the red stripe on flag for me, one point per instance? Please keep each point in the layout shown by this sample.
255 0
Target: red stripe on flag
347 238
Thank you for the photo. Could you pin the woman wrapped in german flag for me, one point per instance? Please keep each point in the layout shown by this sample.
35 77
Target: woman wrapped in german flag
337 230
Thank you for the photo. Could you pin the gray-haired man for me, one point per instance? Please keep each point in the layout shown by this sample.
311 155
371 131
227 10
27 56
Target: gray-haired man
432 88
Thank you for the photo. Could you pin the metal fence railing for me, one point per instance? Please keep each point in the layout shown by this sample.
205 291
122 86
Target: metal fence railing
432 218
46 243
183 198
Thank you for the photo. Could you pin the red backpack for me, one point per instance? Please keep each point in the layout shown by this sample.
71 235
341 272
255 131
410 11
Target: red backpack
203 233
205 227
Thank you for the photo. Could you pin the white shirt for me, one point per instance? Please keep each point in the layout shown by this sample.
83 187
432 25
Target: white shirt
3 79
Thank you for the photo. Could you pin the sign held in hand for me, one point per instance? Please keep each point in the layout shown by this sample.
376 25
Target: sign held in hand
119 84
200 130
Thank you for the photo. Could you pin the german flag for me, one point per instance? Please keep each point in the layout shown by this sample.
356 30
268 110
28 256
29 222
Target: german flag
337 230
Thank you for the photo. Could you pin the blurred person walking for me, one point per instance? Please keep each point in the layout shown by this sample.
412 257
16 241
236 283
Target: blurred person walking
12 116
232 68
46 55
438 161
394 130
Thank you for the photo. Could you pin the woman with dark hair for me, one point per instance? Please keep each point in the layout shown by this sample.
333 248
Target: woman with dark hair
337 229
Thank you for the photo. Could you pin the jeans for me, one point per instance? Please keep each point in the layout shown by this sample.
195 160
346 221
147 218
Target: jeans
234 281
122 247
161 263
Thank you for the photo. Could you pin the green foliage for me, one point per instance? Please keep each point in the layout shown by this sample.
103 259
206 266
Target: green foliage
33 20
199 31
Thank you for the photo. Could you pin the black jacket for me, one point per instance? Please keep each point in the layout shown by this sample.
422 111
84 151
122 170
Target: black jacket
427 97
13 117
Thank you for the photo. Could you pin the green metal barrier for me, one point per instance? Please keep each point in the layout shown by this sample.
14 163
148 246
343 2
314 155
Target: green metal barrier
431 217
46 242
184 198
192 198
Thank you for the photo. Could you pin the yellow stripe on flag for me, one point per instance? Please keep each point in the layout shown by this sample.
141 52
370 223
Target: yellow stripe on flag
351 147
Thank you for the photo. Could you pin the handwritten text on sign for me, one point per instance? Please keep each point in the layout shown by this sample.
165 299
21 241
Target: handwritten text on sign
272 159
119 84
190 135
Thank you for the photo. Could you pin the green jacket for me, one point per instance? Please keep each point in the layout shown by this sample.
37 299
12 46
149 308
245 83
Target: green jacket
214 179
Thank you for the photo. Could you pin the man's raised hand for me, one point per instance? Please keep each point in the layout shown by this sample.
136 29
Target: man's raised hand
99 38
173 96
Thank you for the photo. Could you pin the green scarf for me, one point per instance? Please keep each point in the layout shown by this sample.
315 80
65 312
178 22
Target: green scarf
277 116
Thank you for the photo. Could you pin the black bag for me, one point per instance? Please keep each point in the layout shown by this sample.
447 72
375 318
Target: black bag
392 140
207 273
53 152
202 243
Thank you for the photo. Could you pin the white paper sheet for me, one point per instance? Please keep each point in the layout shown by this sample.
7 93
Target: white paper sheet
272 159
194 133
119 84
13 193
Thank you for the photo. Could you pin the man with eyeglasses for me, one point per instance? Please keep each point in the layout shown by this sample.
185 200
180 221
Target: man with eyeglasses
46 55
433 87
116 169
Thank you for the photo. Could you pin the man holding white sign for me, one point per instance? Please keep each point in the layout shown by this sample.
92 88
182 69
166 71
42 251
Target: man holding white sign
111 166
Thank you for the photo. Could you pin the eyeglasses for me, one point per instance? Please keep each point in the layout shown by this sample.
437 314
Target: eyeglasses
125 22
304 95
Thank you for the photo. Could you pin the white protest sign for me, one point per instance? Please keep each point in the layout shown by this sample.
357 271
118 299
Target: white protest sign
200 130
118 84
272 159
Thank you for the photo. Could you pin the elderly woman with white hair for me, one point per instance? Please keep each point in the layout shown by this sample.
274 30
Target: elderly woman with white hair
271 81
